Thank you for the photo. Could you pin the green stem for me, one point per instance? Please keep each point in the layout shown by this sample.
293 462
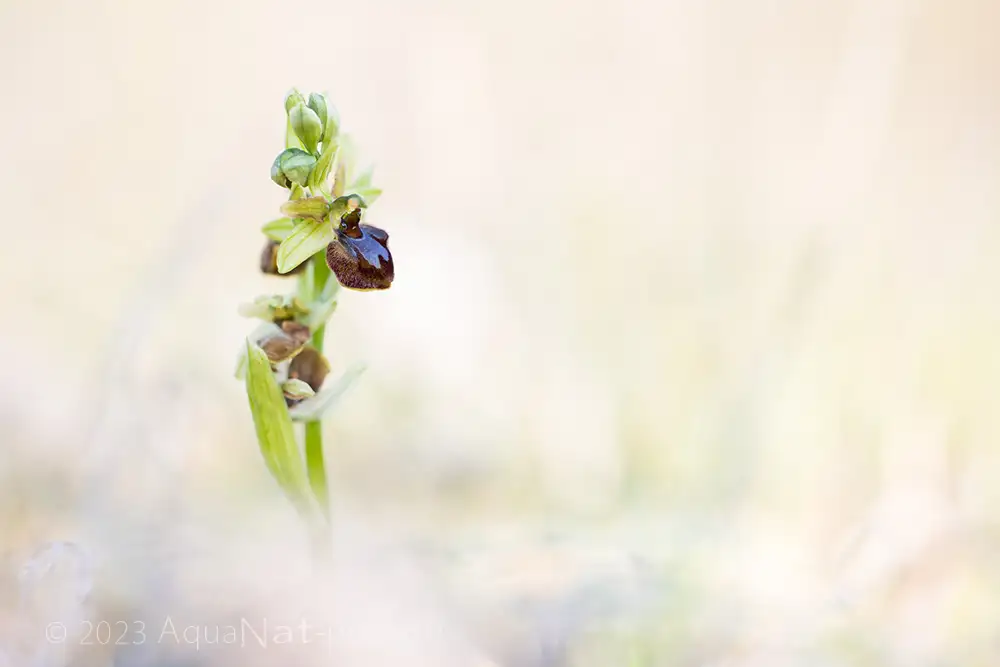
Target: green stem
315 463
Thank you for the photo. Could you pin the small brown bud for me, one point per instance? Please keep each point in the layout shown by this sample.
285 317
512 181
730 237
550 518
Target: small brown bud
282 344
269 260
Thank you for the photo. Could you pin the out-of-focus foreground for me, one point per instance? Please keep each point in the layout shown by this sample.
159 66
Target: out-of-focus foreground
691 357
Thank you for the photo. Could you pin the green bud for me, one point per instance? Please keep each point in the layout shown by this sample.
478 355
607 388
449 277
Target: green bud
317 102
292 98
308 207
307 125
327 114
277 175
297 165
296 390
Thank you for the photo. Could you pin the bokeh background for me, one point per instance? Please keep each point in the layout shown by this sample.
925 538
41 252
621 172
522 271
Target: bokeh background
691 357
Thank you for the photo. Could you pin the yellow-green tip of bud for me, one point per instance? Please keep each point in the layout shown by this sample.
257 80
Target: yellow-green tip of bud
292 98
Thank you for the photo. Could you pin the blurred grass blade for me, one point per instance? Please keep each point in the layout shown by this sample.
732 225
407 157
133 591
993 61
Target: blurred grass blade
278 230
275 432
308 238
314 408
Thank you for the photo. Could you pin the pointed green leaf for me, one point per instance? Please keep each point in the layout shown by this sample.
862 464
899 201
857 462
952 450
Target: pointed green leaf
291 139
324 167
313 409
273 424
349 158
278 230
308 238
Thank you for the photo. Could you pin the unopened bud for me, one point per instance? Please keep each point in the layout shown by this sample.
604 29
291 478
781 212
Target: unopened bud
315 208
281 344
297 165
292 98
311 367
296 390
307 126
277 175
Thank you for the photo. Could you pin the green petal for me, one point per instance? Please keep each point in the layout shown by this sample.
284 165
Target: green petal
308 238
278 230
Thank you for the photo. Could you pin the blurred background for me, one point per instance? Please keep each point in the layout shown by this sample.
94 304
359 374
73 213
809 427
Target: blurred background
691 357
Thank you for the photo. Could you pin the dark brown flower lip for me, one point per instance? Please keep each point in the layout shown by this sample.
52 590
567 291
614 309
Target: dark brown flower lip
360 256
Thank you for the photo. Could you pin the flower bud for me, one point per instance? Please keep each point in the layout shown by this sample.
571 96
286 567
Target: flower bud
292 98
315 208
296 390
307 126
311 367
296 165
281 344
277 175
327 115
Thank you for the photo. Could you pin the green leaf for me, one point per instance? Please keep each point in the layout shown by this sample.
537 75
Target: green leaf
291 139
313 409
275 432
349 158
278 230
324 166
308 238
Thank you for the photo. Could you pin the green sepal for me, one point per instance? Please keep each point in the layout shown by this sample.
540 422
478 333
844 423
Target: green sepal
313 409
278 230
308 238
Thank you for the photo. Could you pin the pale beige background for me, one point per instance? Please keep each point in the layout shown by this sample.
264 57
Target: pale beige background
696 303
